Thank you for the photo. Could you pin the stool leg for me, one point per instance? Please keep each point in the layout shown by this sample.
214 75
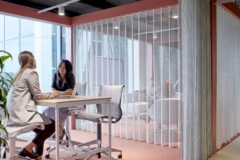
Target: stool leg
99 155
67 140
12 147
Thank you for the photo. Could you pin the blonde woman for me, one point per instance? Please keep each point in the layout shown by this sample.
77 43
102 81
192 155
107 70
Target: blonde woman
22 108
168 90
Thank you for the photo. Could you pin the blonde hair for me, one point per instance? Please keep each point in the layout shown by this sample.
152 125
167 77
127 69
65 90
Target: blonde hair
26 60
169 90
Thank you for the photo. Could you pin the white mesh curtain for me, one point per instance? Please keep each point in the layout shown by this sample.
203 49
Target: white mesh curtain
228 76
196 79
141 51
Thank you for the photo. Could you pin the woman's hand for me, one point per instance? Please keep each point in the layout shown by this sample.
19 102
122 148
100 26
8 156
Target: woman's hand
68 92
55 94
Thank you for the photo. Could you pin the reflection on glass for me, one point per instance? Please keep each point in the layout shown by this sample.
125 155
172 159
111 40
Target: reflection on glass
174 17
27 44
27 27
166 18
11 27
168 89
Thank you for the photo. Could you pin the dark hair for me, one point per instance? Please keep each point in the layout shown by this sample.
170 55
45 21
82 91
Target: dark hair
68 66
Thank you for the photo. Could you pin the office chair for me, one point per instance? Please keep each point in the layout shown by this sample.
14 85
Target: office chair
102 116
71 111
166 111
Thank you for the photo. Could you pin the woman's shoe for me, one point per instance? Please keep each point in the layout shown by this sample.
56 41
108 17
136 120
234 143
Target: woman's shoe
25 153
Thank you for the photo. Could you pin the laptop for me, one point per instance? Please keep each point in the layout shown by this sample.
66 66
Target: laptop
73 93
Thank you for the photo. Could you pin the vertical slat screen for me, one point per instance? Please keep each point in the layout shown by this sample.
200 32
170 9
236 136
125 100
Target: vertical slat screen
141 51
228 57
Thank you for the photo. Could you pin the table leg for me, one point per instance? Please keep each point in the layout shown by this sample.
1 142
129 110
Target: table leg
109 130
57 132
12 147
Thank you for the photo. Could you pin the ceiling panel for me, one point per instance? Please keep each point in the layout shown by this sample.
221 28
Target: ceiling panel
74 9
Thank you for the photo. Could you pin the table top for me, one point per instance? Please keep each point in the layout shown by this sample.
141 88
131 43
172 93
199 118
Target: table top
76 99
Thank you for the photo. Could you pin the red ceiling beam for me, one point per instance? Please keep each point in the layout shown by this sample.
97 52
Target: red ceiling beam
122 10
30 13
232 8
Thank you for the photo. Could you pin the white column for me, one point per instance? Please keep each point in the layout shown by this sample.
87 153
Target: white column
69 43
43 54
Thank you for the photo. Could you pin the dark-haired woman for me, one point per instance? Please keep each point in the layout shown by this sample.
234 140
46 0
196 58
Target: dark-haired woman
63 83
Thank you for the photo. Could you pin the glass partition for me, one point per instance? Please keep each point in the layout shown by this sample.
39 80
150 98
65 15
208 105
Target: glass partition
141 51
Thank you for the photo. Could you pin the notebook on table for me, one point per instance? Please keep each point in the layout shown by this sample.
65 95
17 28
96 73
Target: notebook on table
73 93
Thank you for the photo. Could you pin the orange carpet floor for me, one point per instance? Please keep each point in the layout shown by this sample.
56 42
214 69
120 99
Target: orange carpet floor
132 150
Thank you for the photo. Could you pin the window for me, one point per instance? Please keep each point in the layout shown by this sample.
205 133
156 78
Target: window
63 56
27 44
54 49
12 46
1 28
27 27
11 27
42 39
1 45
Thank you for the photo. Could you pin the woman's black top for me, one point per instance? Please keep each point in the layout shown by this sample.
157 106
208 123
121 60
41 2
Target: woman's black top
69 84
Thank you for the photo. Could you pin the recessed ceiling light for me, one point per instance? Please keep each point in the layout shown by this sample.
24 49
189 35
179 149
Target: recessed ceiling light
175 15
116 25
155 35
